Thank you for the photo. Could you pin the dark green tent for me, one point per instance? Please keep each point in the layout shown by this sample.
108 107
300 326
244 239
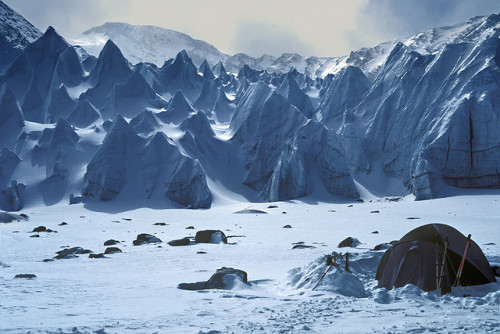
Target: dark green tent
412 260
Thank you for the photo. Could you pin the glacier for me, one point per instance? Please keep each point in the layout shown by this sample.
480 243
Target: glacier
420 113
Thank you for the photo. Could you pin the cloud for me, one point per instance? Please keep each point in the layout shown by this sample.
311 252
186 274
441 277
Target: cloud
382 20
319 27
257 38
69 17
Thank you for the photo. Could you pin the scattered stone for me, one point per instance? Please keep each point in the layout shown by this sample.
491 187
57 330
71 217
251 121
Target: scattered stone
63 224
35 236
349 242
218 281
331 210
201 252
39 229
383 246
283 213
96 256
413 218
350 206
490 244
287 226
145 238
393 199
224 278
180 242
25 276
272 207
190 228
25 216
251 211
48 260
300 246
112 250
210 237
160 224
69 253
360 200
375 211
375 232
127 219
111 242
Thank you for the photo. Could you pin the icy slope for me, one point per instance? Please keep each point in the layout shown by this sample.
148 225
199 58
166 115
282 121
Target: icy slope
428 118
15 34
284 151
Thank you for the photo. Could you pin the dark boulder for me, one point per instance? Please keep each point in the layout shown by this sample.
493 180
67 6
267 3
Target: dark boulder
210 237
300 246
25 276
72 252
96 256
383 246
180 242
112 250
349 242
145 238
39 229
111 242
224 278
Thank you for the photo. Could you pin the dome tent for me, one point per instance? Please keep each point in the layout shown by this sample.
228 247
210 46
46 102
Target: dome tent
412 260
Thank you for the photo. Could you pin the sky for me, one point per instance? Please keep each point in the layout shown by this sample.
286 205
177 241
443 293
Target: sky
256 27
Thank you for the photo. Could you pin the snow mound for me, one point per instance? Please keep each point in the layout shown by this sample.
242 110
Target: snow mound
336 280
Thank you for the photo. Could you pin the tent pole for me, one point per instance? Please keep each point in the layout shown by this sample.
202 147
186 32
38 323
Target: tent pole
437 270
459 272
442 264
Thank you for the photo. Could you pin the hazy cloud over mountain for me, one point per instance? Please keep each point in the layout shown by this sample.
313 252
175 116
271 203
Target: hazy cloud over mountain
322 27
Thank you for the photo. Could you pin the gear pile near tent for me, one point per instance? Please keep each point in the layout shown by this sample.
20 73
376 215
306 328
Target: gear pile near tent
422 253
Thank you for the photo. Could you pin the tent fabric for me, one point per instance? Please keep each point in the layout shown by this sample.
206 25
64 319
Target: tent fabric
412 260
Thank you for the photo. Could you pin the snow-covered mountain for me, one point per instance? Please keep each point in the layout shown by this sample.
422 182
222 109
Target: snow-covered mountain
15 34
147 43
153 44
410 117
